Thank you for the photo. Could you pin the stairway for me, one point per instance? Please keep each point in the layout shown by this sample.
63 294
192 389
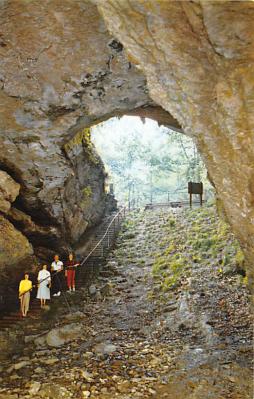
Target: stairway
103 240
98 249
15 317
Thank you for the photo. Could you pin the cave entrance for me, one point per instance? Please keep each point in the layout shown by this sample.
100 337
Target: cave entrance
147 162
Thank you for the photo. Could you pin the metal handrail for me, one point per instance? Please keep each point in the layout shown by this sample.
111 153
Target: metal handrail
168 203
86 258
104 235
120 212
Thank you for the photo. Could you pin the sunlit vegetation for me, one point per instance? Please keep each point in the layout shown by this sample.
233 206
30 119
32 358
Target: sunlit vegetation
146 162
87 196
83 138
174 245
87 192
199 236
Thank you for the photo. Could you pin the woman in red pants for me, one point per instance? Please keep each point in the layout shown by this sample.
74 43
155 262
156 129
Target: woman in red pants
70 272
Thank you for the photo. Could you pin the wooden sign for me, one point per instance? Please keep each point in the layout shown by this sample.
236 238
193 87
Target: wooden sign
195 188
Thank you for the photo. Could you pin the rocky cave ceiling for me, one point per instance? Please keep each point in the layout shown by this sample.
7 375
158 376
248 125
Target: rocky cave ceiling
65 65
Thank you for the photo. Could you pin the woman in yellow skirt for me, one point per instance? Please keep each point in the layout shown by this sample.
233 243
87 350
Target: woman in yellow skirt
25 286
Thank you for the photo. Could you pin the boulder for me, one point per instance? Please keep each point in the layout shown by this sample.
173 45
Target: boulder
14 246
20 365
61 335
76 316
9 191
40 341
105 348
53 391
34 387
92 289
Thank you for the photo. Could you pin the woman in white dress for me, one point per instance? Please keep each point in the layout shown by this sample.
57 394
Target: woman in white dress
44 281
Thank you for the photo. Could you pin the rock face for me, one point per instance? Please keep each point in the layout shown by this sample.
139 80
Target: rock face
61 71
198 61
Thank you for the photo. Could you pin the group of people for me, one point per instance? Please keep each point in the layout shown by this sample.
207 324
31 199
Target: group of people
48 282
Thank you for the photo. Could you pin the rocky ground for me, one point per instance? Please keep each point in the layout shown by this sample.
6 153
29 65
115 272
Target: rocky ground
167 318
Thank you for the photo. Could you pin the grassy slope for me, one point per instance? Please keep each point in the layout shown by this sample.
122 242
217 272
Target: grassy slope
195 237
176 243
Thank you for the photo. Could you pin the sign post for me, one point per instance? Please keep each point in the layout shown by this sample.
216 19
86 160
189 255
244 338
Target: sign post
111 188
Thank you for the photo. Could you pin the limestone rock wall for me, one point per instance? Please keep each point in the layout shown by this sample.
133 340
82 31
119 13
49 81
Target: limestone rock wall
60 71
197 57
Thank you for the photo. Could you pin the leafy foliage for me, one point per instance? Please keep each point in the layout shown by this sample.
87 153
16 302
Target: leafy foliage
147 163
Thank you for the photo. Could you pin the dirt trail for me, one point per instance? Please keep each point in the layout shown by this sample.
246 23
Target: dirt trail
194 340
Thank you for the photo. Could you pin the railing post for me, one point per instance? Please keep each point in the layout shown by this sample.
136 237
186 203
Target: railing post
108 238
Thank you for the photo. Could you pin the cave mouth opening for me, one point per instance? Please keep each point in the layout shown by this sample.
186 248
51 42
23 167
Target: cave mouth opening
146 162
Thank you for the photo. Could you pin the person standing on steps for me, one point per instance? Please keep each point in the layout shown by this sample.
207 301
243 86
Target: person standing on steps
70 273
25 286
44 281
56 269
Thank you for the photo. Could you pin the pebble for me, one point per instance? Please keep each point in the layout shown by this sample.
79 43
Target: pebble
14 377
10 369
87 376
22 364
87 355
53 360
92 289
38 370
105 349
34 387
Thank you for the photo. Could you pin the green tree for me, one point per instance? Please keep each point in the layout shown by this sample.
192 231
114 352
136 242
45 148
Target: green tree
147 162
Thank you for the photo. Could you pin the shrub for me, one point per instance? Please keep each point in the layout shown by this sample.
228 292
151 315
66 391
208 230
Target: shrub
171 248
239 258
172 222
